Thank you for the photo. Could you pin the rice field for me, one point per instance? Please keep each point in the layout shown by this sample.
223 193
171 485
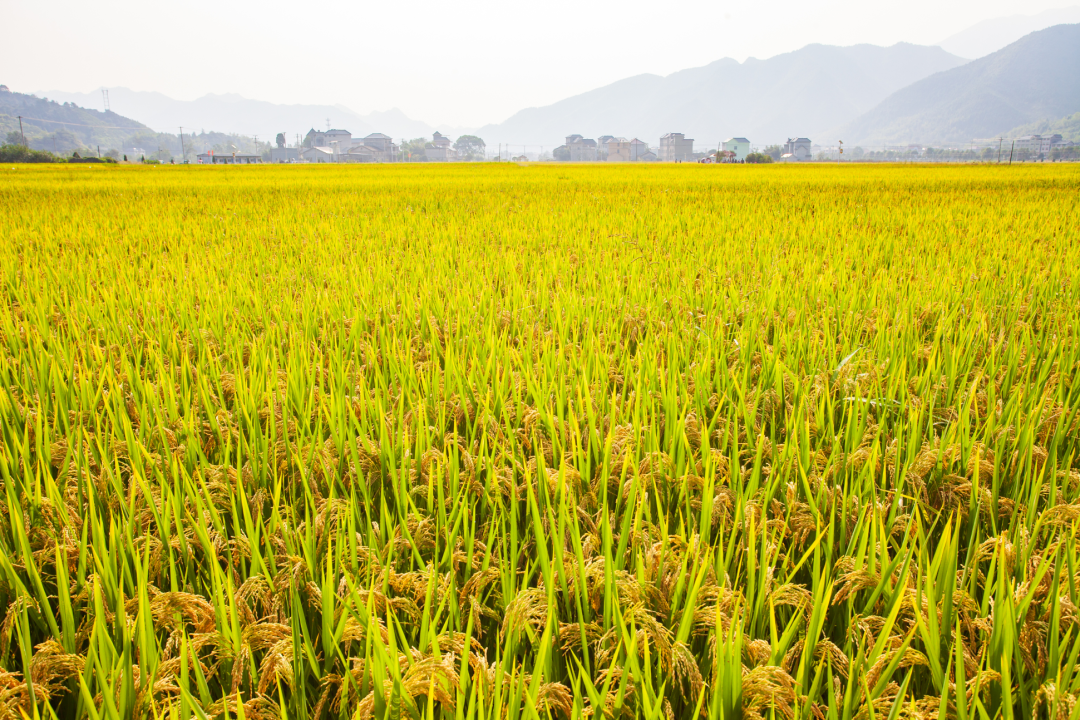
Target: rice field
479 442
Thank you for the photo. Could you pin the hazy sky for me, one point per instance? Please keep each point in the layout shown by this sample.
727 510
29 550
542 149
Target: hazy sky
460 63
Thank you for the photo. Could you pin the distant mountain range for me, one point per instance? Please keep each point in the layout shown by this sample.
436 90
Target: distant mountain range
989 36
236 114
864 94
1034 78
797 93
63 127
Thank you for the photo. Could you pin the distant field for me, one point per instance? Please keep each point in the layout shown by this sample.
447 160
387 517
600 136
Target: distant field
490 441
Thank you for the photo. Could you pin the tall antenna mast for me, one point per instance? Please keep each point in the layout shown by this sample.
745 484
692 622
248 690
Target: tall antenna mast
105 96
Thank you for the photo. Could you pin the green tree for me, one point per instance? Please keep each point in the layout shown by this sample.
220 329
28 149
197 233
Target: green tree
14 138
470 147
414 149
19 153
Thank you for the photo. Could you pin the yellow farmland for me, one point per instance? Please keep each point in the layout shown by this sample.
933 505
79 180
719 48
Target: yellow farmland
478 441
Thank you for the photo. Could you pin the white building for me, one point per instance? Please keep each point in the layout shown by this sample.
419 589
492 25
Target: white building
209 158
318 138
738 145
1038 144
382 144
676 147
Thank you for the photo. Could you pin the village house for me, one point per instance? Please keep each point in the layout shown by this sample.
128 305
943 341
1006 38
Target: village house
376 147
581 149
209 158
382 144
602 146
284 155
318 155
618 149
440 149
798 149
676 147
358 153
623 150
339 146
318 138
738 146
639 150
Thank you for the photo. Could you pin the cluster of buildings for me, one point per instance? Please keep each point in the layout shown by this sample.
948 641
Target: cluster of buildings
339 146
331 146
674 147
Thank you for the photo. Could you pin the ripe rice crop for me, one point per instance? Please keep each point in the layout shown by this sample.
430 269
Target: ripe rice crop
478 441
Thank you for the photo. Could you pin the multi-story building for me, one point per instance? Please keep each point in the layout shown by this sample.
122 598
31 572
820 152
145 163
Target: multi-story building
440 149
318 138
618 149
381 143
639 150
798 148
1038 145
623 150
581 149
739 146
676 147
376 147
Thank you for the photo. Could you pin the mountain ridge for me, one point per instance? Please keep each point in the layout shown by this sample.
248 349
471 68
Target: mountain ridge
1033 78
802 92
993 34
235 113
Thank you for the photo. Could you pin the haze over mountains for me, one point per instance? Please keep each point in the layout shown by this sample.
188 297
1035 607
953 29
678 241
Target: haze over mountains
1035 78
991 35
863 93
802 92
234 113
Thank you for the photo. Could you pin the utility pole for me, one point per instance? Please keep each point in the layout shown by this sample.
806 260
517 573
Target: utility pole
841 151
183 152
1011 151
21 131
999 149
256 144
